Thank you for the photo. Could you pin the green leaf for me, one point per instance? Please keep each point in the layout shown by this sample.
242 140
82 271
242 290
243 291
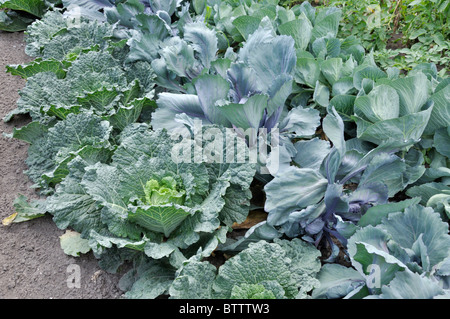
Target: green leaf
35 7
82 134
387 169
405 228
263 262
277 57
303 122
403 128
301 187
311 153
331 69
442 141
211 89
375 214
299 29
440 116
428 190
72 244
321 94
130 113
237 205
344 105
337 281
71 206
413 92
247 115
25 210
409 285
246 25
326 23
367 247
258 291
37 66
203 40
31 132
307 71
367 72
13 21
102 184
154 281
199 6
161 218
193 281
382 103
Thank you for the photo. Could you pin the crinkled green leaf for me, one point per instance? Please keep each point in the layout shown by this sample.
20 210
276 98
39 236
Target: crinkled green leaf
193 280
263 262
82 134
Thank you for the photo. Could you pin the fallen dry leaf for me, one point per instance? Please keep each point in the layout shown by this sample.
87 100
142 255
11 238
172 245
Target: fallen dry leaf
253 218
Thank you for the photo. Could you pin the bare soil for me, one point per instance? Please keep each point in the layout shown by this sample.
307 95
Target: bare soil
32 263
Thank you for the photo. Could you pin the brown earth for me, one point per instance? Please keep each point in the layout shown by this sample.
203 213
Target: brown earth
32 263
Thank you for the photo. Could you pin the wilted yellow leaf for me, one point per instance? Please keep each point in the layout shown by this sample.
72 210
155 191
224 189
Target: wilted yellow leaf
8 220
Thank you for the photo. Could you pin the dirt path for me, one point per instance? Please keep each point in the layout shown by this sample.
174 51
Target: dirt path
32 264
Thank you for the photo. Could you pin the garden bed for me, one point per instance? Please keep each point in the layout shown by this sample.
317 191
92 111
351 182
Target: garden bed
226 150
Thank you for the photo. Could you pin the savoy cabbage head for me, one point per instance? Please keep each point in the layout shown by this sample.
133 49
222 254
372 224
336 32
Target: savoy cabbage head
147 199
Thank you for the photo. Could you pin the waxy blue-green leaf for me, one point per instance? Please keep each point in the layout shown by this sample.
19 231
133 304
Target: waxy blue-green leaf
375 214
299 29
413 92
275 58
295 194
409 285
311 153
302 122
331 69
407 127
405 228
307 71
440 116
203 40
248 114
246 25
337 281
326 23
366 72
211 89
382 103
